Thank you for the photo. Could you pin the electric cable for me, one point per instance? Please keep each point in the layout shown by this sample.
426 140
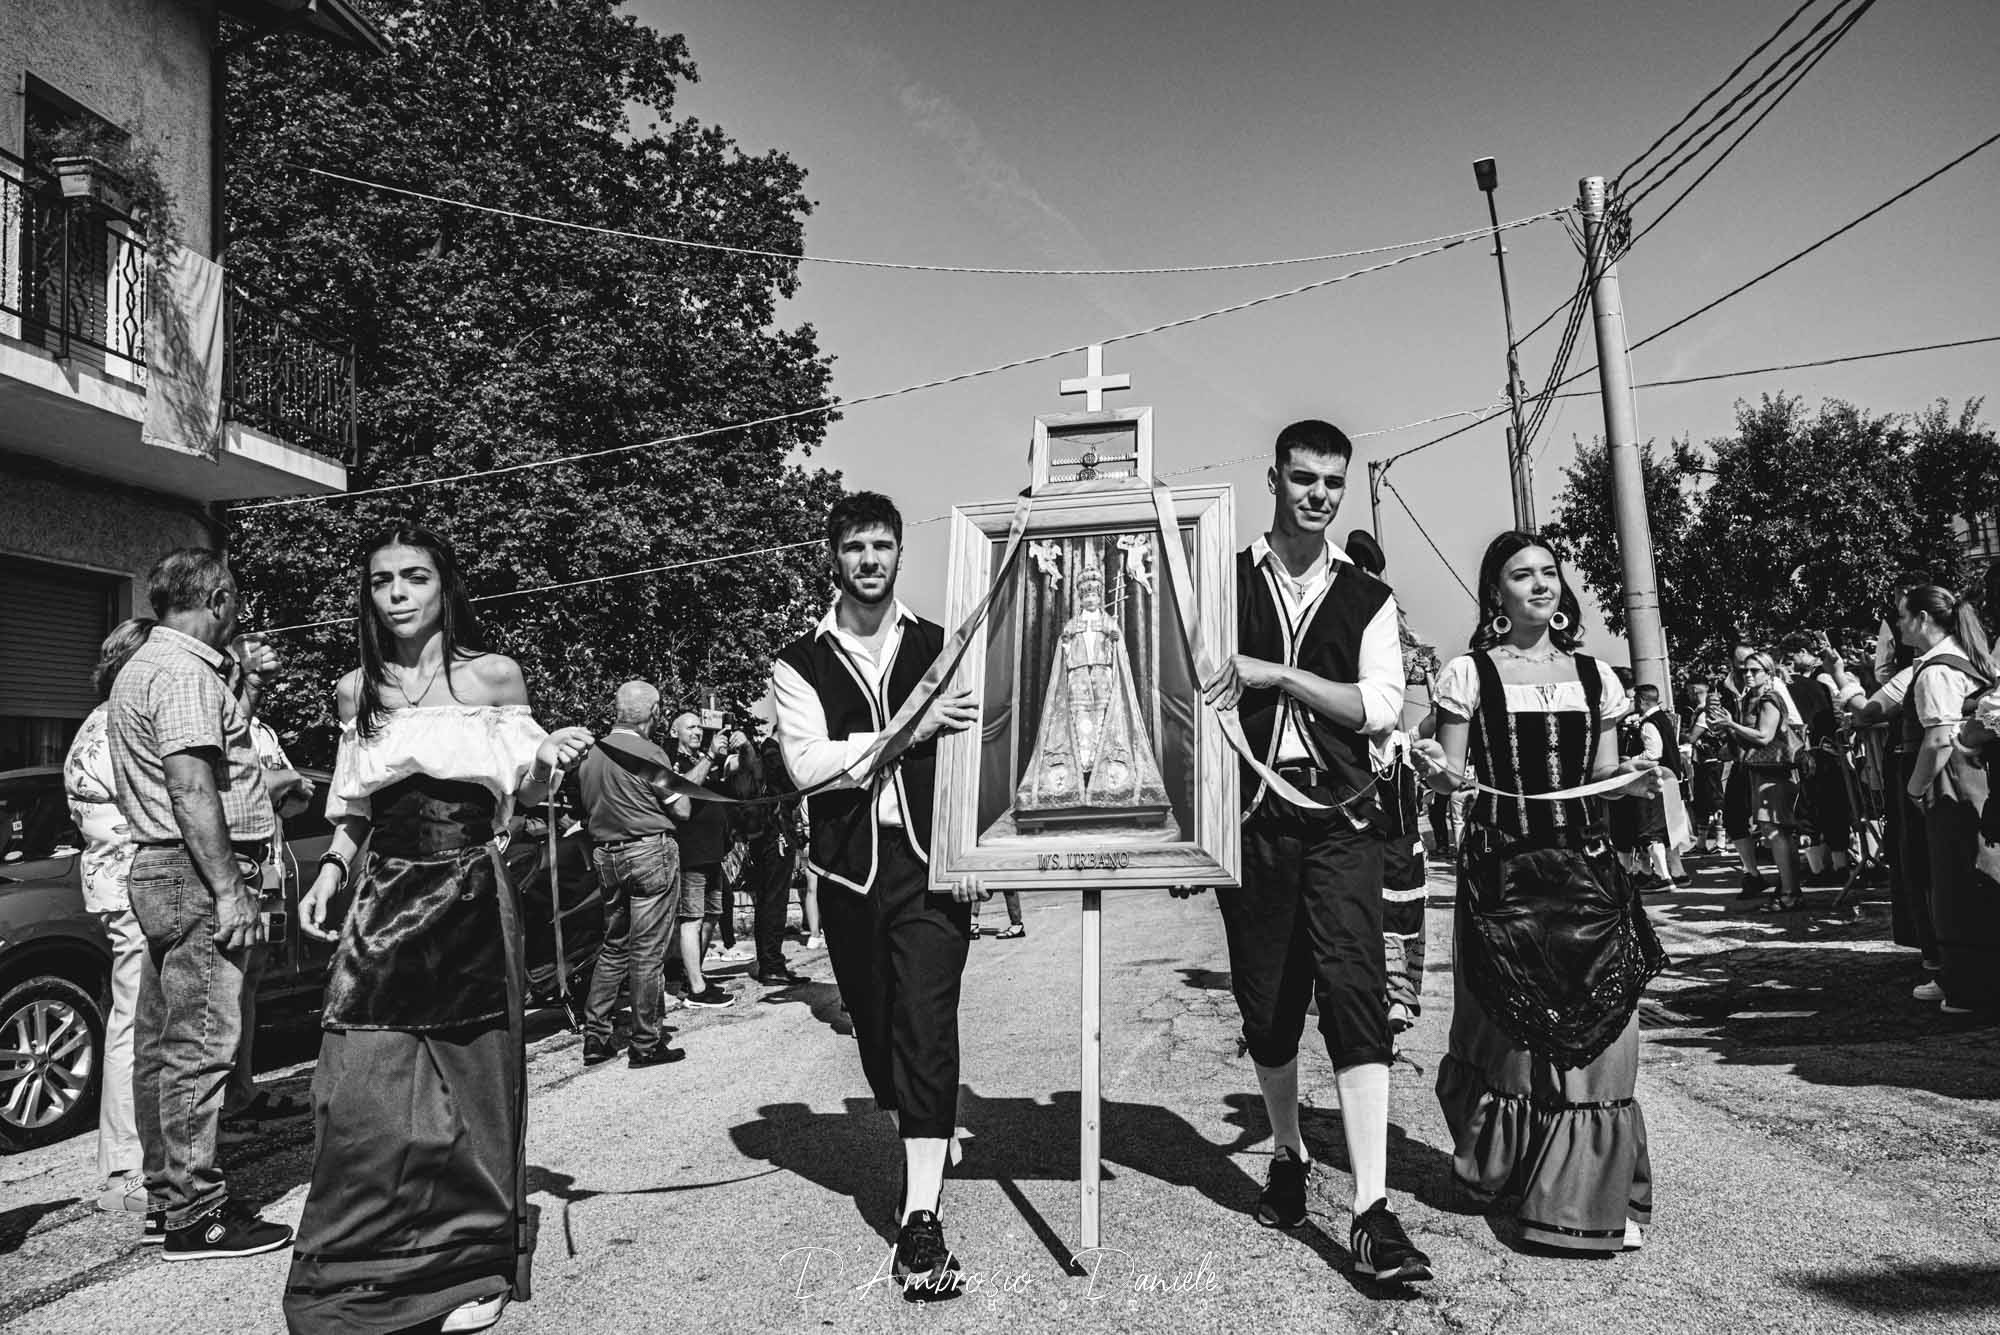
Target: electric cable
835 406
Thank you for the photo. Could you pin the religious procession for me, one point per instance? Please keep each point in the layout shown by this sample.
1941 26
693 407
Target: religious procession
533 797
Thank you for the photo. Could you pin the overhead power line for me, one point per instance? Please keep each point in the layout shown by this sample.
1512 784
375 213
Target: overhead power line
1736 291
1452 569
1789 81
755 253
1756 89
817 409
1704 99
1179 472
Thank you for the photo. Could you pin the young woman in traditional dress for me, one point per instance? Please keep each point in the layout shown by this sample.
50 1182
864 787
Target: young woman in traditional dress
1552 947
417 1210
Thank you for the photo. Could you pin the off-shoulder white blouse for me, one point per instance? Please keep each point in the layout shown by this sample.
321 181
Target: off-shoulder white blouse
1458 691
486 744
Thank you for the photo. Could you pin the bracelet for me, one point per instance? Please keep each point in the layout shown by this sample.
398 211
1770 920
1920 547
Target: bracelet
346 871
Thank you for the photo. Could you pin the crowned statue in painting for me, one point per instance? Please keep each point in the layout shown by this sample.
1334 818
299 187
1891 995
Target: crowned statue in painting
1093 760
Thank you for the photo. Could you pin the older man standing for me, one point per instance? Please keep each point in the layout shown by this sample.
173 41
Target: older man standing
639 874
192 791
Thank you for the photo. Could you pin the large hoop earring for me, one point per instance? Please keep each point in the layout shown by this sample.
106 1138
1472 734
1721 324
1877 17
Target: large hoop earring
1559 622
1499 625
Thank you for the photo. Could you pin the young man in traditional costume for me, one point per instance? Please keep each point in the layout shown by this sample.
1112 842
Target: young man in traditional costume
897 949
1318 677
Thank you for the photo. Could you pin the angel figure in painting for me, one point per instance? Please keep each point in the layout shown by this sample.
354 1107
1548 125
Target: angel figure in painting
1093 760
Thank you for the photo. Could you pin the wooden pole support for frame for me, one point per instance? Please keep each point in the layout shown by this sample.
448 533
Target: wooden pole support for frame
1092 1100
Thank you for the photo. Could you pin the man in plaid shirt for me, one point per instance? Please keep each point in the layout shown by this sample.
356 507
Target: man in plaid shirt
192 792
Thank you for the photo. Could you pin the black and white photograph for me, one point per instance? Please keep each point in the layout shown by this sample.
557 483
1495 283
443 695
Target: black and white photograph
1114 668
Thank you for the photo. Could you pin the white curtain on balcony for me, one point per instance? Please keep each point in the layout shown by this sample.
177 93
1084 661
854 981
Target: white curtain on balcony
184 352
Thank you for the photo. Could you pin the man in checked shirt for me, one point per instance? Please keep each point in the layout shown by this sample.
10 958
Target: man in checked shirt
192 792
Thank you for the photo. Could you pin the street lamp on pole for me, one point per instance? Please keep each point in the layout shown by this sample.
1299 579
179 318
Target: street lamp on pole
1520 478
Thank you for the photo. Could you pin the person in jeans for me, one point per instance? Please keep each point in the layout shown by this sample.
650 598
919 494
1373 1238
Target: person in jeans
639 876
91 788
192 793
704 838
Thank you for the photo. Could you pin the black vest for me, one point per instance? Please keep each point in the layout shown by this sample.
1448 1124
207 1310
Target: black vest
1670 741
1329 647
843 847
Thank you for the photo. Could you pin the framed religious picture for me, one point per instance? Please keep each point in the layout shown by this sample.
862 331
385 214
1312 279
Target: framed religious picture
1094 761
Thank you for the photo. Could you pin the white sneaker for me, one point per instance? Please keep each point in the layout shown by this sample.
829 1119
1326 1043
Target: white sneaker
1635 1237
1945 1005
1927 991
816 942
475 1316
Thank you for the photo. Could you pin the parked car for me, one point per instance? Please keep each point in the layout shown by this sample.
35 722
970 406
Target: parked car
55 961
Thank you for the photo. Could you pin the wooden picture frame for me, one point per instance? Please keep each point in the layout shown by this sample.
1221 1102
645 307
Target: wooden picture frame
1070 779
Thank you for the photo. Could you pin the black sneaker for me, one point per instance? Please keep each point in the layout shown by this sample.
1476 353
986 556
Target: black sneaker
229 1230
154 1231
660 1056
1754 886
595 1052
710 998
1283 1202
1383 1251
925 1267
781 977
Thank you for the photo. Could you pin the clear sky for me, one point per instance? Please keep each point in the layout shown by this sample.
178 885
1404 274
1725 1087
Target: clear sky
1038 134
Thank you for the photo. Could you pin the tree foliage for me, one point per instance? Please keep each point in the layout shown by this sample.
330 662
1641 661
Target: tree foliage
1585 530
1808 521
484 341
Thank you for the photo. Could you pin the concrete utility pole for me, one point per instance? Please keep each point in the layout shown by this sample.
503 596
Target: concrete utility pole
1520 468
1643 632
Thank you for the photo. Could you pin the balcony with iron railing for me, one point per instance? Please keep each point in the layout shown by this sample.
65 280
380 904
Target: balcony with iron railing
75 282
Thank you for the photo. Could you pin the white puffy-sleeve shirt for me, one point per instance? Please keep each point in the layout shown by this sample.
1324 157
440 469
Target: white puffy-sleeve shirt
491 745
1457 692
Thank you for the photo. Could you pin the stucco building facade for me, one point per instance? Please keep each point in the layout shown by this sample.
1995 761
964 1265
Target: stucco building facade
91 490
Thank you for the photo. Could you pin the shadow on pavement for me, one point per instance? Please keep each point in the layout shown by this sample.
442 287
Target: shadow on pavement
16 1224
855 1154
1790 1001
1908 1291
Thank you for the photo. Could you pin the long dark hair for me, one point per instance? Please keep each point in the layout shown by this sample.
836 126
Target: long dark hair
1494 564
460 627
1959 619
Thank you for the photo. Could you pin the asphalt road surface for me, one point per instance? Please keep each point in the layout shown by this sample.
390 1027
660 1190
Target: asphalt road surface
1825 1152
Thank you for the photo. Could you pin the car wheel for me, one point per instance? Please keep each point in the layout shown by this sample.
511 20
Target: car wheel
51 1062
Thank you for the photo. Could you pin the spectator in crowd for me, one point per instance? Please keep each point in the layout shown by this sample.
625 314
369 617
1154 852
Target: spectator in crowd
1761 792
1825 815
1658 741
1709 762
1954 665
244 1104
192 793
1404 882
767 858
108 847
1015 928
704 838
633 828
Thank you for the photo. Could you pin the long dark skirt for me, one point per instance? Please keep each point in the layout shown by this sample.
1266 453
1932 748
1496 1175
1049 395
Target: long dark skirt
1909 861
1569 1145
418 1199
1964 906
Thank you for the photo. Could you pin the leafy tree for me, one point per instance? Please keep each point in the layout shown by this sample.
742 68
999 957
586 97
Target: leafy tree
1809 522
1954 464
1806 527
483 341
1585 529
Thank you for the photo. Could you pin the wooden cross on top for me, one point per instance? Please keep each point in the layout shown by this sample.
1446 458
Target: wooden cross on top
1094 382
